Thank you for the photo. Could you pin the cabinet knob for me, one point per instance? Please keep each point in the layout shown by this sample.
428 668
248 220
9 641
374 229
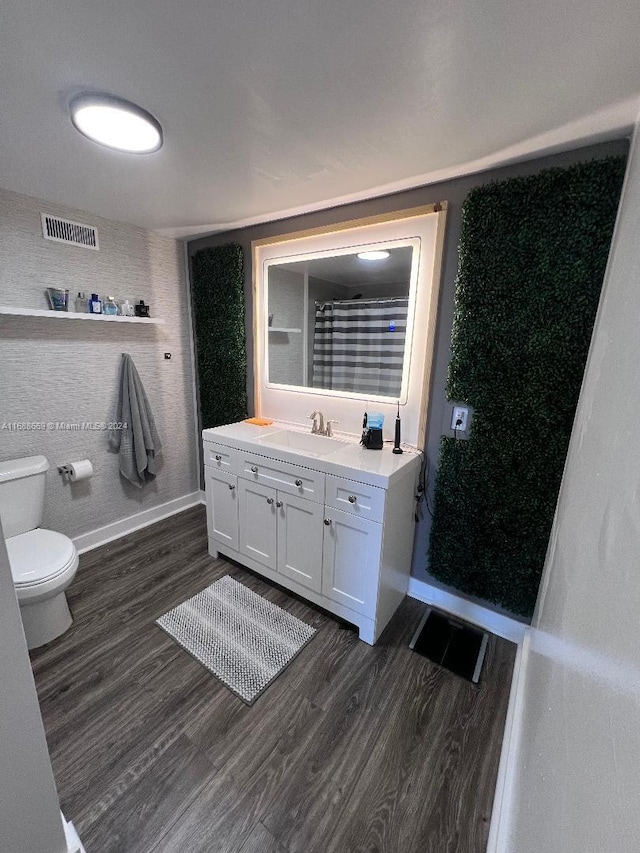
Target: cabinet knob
254 469
327 521
218 457
278 504
231 487
298 482
352 499
269 501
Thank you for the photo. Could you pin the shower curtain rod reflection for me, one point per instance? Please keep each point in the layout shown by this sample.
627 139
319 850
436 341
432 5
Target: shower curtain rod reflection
377 300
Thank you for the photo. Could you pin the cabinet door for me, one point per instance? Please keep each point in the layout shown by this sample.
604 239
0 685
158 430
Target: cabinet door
351 560
300 540
222 506
258 522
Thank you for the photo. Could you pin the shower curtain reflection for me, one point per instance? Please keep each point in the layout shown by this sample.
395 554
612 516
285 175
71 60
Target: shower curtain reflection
358 345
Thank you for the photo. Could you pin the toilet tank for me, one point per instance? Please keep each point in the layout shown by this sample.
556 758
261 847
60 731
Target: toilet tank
22 494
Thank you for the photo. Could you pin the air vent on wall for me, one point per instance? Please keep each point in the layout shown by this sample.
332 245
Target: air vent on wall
65 231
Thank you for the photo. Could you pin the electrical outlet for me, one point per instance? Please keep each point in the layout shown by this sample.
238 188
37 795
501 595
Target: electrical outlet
460 413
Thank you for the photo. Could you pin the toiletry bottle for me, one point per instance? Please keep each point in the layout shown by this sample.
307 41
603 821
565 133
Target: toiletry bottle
109 306
141 309
95 305
82 303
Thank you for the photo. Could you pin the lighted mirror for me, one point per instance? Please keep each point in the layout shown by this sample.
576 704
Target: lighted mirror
344 319
339 322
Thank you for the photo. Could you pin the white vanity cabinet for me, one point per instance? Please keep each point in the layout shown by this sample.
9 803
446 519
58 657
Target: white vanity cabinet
281 532
337 530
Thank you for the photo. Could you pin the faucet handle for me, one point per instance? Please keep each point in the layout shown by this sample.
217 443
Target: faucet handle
329 431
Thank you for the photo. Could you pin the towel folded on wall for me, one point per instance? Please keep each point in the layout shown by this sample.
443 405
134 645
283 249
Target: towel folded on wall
137 443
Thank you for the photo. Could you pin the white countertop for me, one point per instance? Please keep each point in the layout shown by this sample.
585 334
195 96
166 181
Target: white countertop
375 467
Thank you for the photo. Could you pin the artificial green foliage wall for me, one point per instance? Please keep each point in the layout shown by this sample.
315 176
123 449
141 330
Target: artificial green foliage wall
217 279
532 257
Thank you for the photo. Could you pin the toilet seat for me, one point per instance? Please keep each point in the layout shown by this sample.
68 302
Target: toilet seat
40 556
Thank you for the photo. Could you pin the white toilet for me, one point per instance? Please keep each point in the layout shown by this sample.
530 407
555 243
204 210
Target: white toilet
43 563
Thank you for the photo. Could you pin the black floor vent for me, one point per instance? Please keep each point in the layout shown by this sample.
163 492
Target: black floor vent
454 645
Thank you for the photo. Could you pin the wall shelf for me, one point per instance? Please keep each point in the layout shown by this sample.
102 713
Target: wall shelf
74 315
281 329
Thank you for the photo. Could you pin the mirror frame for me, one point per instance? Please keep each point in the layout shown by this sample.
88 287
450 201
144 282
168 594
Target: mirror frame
424 228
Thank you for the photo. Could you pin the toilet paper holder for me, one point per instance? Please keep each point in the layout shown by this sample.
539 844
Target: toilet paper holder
72 472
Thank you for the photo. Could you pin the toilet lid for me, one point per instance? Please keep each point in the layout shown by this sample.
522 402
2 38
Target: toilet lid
39 555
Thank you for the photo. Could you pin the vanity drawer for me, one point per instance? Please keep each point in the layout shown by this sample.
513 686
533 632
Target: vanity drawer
355 498
220 457
293 479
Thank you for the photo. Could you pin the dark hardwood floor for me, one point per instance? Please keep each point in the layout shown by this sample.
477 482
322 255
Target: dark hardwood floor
353 749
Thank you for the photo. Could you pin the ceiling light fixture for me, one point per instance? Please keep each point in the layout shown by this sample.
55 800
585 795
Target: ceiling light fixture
374 255
116 123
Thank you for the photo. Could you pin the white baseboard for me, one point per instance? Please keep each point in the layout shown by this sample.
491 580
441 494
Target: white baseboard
500 830
102 535
496 623
74 845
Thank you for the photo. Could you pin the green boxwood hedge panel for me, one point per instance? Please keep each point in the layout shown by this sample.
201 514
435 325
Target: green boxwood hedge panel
217 280
532 257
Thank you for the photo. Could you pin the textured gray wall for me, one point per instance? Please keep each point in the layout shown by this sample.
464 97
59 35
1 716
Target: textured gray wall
68 371
454 192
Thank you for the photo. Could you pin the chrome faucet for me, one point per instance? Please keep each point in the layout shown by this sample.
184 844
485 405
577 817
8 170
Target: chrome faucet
320 428
328 431
317 429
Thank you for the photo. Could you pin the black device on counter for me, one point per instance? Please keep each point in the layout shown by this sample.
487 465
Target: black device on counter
371 436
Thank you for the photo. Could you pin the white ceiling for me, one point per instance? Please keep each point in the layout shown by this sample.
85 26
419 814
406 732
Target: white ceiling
278 106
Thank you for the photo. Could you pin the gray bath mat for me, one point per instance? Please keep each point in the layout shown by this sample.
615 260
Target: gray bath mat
239 636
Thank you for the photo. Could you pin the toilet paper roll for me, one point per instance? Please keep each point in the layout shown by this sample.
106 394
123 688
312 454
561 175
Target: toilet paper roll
80 470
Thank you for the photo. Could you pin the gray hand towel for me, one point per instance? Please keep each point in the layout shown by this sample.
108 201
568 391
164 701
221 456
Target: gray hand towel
137 443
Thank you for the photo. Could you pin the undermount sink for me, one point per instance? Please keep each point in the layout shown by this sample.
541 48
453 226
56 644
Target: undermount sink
304 442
